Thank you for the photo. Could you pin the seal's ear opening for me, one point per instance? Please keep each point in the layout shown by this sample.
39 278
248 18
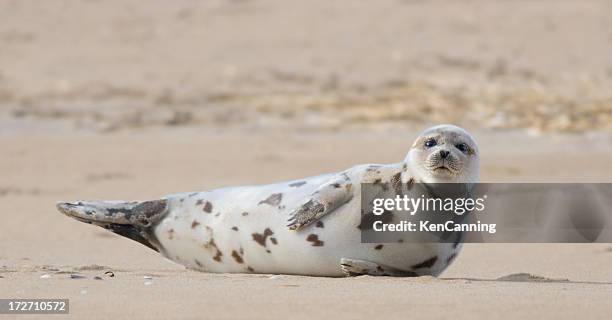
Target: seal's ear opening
131 219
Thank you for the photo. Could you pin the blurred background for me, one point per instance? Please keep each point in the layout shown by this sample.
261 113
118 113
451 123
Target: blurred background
103 66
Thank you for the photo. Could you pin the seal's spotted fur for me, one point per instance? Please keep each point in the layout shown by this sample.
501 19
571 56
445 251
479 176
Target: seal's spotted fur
309 226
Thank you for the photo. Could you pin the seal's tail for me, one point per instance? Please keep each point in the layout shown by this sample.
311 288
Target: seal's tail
131 219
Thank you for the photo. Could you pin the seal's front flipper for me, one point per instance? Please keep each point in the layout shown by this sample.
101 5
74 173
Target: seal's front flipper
131 219
355 267
327 198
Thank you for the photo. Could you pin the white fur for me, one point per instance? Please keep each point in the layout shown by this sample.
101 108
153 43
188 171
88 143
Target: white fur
197 246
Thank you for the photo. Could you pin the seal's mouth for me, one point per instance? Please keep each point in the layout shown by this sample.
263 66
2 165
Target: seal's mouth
443 169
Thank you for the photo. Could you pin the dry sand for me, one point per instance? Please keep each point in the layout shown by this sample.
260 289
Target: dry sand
133 100
37 240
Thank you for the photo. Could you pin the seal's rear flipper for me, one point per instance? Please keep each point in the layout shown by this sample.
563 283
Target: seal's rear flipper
356 267
132 219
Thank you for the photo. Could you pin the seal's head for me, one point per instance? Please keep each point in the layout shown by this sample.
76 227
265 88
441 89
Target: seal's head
444 153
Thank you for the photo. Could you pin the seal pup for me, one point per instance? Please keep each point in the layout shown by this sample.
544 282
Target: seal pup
309 226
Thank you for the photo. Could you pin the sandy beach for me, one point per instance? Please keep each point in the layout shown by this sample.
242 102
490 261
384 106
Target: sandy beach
37 240
127 100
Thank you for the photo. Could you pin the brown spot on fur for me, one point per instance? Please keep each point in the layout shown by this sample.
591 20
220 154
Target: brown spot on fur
199 202
170 234
378 247
315 240
379 268
367 220
410 183
274 241
207 207
379 181
396 182
235 228
218 256
212 244
244 214
470 151
426 264
250 269
237 256
297 184
194 224
273 200
261 238
320 224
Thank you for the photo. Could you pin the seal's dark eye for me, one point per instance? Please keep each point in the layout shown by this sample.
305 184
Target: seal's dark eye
462 146
430 143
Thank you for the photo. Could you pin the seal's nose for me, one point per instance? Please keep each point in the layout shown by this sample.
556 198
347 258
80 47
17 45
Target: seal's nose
444 154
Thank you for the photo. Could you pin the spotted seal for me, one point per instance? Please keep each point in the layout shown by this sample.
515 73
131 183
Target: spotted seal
308 226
